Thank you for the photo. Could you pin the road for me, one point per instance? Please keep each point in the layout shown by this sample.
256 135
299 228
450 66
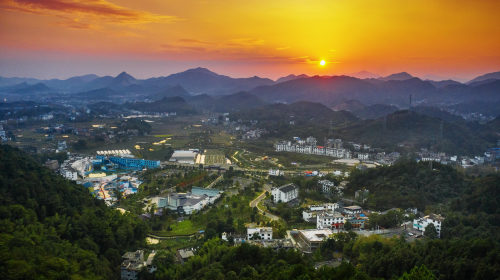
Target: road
255 202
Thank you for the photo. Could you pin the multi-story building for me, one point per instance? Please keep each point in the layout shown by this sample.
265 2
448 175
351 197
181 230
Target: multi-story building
265 233
52 164
351 210
131 163
329 187
183 255
310 240
421 223
329 219
286 193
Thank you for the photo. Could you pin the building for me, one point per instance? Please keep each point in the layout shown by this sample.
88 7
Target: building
286 193
329 220
276 172
188 203
61 145
356 221
310 213
352 210
132 163
69 173
275 244
188 157
161 202
310 240
421 223
265 233
183 255
132 262
52 164
329 187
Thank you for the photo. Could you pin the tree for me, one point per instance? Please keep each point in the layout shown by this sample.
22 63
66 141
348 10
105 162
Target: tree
200 166
252 217
255 236
80 145
430 231
348 225
418 273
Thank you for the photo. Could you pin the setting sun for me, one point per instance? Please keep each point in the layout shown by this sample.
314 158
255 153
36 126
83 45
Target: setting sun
322 62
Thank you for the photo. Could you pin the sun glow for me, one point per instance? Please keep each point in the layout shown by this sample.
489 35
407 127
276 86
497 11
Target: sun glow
322 63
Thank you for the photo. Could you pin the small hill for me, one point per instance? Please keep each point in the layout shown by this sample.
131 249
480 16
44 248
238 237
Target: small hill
438 113
40 87
174 91
173 104
291 77
298 111
202 101
397 77
494 75
375 111
418 131
349 105
441 84
481 107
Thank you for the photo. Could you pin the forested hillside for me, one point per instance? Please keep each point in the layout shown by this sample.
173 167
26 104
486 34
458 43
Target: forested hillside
51 228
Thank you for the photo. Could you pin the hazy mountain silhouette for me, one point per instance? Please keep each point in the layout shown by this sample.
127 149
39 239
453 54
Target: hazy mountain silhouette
201 80
397 77
494 75
364 75
176 90
483 82
40 87
291 77
441 84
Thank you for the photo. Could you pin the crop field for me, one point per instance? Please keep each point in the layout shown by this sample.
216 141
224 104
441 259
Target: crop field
214 157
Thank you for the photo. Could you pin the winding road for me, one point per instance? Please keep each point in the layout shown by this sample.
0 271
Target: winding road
255 203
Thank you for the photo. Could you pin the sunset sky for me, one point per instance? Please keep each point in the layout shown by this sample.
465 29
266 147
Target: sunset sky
241 38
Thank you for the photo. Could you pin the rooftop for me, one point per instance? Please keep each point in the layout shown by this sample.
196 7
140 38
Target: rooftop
185 253
316 234
288 188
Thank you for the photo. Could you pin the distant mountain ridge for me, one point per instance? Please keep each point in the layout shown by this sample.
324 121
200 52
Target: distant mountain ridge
494 75
397 77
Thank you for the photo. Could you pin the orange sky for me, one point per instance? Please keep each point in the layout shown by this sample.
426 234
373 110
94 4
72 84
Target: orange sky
240 38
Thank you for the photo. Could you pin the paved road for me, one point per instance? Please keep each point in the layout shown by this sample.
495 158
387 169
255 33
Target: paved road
255 202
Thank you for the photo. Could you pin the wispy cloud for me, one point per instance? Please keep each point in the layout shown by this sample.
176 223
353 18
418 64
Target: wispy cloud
245 42
180 48
195 42
85 14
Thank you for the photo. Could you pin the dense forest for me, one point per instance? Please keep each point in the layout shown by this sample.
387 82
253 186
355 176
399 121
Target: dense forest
52 228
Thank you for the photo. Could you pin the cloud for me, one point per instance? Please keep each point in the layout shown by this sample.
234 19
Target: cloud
95 11
76 25
194 42
178 48
245 42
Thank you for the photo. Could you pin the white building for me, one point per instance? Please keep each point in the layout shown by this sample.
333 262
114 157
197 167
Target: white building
329 219
265 233
276 172
160 202
363 156
70 174
61 145
328 187
311 212
352 209
285 193
421 223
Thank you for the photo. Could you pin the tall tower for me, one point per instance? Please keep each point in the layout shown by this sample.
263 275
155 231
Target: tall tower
409 108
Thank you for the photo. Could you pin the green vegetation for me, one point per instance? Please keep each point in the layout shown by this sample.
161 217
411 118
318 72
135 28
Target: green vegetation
51 228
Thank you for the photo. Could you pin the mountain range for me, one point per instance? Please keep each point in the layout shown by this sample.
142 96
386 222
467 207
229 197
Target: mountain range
366 87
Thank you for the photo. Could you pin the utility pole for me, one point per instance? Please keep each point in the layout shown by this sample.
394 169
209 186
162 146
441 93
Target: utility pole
409 108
